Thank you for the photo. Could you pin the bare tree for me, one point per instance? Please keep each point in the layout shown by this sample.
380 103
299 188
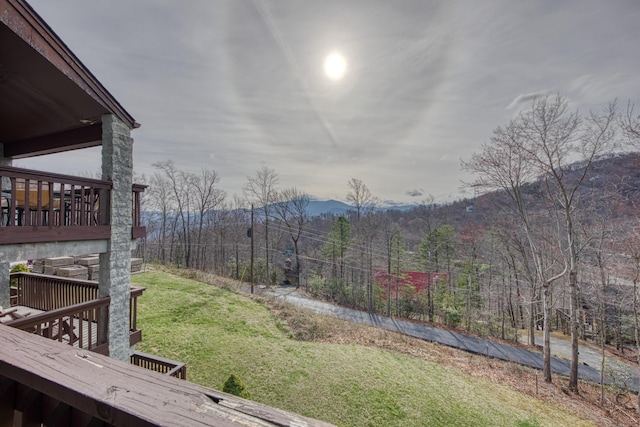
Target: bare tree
540 143
630 124
360 198
504 164
161 205
206 197
554 137
261 190
628 256
520 270
365 230
178 184
394 246
291 209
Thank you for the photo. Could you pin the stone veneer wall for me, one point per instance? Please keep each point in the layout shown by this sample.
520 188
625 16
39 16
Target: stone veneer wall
115 263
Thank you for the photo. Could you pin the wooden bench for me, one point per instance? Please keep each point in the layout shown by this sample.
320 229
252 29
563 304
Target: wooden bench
11 314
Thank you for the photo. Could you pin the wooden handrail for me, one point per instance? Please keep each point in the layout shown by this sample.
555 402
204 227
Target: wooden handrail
52 293
36 198
36 175
43 292
55 291
155 363
84 325
35 319
50 203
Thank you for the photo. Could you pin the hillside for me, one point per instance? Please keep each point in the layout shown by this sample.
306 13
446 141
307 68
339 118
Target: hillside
345 374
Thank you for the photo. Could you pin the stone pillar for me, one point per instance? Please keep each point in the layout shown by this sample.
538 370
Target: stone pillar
5 290
115 264
5 161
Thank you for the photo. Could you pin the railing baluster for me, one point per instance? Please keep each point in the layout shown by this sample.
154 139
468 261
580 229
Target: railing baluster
39 199
50 293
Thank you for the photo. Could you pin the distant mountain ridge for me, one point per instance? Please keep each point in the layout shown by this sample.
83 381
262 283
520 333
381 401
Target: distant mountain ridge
336 207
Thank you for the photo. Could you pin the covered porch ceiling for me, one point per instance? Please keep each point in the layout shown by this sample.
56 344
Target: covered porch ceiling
49 101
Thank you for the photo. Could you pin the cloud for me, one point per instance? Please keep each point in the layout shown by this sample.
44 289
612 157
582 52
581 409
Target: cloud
525 98
233 86
414 192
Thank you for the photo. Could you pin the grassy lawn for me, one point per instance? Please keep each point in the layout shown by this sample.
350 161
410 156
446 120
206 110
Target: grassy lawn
217 333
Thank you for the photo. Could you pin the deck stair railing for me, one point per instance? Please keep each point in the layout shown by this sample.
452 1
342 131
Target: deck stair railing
61 299
155 363
82 325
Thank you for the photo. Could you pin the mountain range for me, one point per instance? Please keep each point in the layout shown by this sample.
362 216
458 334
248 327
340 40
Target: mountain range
336 207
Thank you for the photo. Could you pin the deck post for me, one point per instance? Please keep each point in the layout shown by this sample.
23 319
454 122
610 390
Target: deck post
115 263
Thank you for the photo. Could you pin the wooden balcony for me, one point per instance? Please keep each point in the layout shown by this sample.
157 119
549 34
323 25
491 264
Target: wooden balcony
68 310
44 207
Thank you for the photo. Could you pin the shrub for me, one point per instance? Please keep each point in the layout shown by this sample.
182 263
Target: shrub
234 385
18 268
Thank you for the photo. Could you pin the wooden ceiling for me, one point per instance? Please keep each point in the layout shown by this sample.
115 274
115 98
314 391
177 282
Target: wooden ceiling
49 101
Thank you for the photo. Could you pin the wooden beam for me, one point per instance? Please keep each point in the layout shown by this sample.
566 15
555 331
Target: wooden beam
82 137
38 234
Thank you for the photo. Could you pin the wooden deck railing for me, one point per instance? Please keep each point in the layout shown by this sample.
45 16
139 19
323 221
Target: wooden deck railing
54 293
168 367
137 229
43 292
39 206
82 325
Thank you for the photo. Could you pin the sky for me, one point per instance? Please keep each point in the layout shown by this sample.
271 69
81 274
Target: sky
418 86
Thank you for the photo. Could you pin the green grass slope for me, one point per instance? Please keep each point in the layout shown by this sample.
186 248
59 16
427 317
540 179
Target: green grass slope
219 333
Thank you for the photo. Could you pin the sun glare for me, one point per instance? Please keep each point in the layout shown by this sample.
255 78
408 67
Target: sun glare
335 66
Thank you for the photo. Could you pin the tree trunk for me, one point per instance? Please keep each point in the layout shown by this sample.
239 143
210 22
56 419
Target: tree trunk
636 327
575 329
532 319
546 301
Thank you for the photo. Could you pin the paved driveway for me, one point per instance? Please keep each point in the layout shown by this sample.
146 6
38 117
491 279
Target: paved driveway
623 375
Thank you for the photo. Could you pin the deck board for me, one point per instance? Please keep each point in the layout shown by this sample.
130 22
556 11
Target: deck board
122 394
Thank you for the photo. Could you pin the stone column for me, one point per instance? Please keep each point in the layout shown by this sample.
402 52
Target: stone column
5 161
5 290
115 264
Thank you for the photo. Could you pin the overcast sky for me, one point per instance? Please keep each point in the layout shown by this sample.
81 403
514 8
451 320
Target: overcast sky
236 85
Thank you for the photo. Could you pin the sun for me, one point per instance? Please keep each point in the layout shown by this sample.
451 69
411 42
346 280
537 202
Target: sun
335 66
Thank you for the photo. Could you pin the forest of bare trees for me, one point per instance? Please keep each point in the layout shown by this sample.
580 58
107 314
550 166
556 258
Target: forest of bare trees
550 243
